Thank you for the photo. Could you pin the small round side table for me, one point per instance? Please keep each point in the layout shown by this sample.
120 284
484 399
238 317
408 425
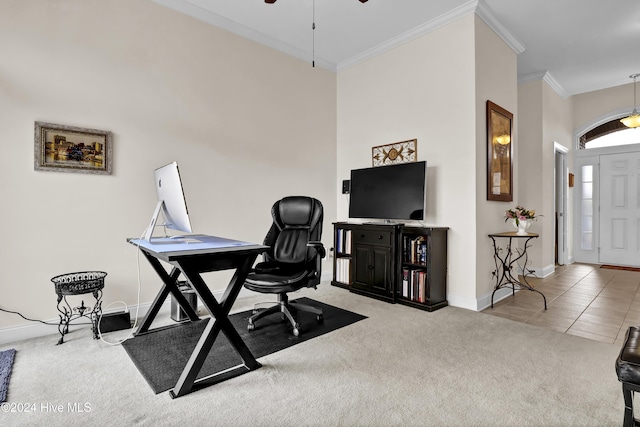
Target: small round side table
84 282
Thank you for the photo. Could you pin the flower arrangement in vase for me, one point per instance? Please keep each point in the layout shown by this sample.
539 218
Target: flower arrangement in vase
521 218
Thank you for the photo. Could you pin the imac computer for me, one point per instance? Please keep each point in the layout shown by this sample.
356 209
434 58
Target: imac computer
171 202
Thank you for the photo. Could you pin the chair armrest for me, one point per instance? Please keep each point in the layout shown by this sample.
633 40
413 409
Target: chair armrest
319 247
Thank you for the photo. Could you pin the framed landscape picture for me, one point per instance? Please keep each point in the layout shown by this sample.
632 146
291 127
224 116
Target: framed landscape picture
499 153
63 148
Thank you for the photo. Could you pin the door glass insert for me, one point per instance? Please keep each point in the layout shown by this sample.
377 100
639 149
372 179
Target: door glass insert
586 216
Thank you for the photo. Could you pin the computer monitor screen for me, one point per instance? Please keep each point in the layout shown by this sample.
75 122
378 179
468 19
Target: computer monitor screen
171 200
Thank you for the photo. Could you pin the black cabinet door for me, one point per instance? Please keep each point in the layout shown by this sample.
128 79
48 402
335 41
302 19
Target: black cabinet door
381 270
361 267
372 269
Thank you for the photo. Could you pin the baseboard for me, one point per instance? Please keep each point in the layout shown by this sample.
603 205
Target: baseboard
485 301
540 272
37 329
326 276
462 302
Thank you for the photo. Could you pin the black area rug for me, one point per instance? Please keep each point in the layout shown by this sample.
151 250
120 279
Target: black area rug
160 356
6 363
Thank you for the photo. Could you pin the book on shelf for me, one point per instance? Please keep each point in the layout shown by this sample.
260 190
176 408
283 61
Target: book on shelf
343 241
342 270
414 249
405 282
414 285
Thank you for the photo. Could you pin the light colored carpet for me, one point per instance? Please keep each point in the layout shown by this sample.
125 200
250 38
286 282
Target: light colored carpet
401 366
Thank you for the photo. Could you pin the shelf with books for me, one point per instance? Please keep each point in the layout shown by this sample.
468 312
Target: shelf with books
414 284
414 249
343 241
395 263
342 256
343 271
423 271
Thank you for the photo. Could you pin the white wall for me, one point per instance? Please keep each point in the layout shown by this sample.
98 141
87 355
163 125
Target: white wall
246 124
423 89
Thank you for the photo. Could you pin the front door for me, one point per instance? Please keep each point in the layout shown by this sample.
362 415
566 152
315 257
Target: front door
620 209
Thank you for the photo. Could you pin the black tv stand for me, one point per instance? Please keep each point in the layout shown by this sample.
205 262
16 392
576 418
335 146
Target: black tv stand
397 263
386 222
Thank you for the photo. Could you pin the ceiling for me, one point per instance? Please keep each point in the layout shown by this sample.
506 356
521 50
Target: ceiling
576 46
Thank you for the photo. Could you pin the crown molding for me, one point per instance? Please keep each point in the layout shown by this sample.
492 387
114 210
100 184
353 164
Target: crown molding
412 34
548 79
479 7
486 14
188 8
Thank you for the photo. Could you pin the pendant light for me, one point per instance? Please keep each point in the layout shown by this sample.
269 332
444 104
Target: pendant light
633 121
313 28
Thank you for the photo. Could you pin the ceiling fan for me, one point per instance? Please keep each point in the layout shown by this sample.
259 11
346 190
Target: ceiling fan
273 1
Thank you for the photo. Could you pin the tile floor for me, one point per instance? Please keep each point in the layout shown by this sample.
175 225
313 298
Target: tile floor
582 299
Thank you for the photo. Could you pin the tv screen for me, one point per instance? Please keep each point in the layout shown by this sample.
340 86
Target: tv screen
389 192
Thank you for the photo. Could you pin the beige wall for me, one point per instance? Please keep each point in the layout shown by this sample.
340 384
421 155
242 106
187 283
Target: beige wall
545 118
496 80
557 128
597 107
435 89
246 124
249 125
529 153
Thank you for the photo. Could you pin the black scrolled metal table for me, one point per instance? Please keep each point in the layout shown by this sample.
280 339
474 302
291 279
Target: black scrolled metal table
83 282
512 259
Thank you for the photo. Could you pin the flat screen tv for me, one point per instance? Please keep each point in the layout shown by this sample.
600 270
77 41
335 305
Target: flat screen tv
395 192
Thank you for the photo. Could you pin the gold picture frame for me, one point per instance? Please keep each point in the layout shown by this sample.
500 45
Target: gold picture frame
398 152
61 148
499 153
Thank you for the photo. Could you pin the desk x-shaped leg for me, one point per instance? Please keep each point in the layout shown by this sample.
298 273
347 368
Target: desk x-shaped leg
170 285
219 322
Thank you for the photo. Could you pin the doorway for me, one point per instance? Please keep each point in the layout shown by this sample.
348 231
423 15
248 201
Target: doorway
620 209
561 173
607 222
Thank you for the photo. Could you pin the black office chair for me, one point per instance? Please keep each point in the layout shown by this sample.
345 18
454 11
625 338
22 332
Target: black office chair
294 258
